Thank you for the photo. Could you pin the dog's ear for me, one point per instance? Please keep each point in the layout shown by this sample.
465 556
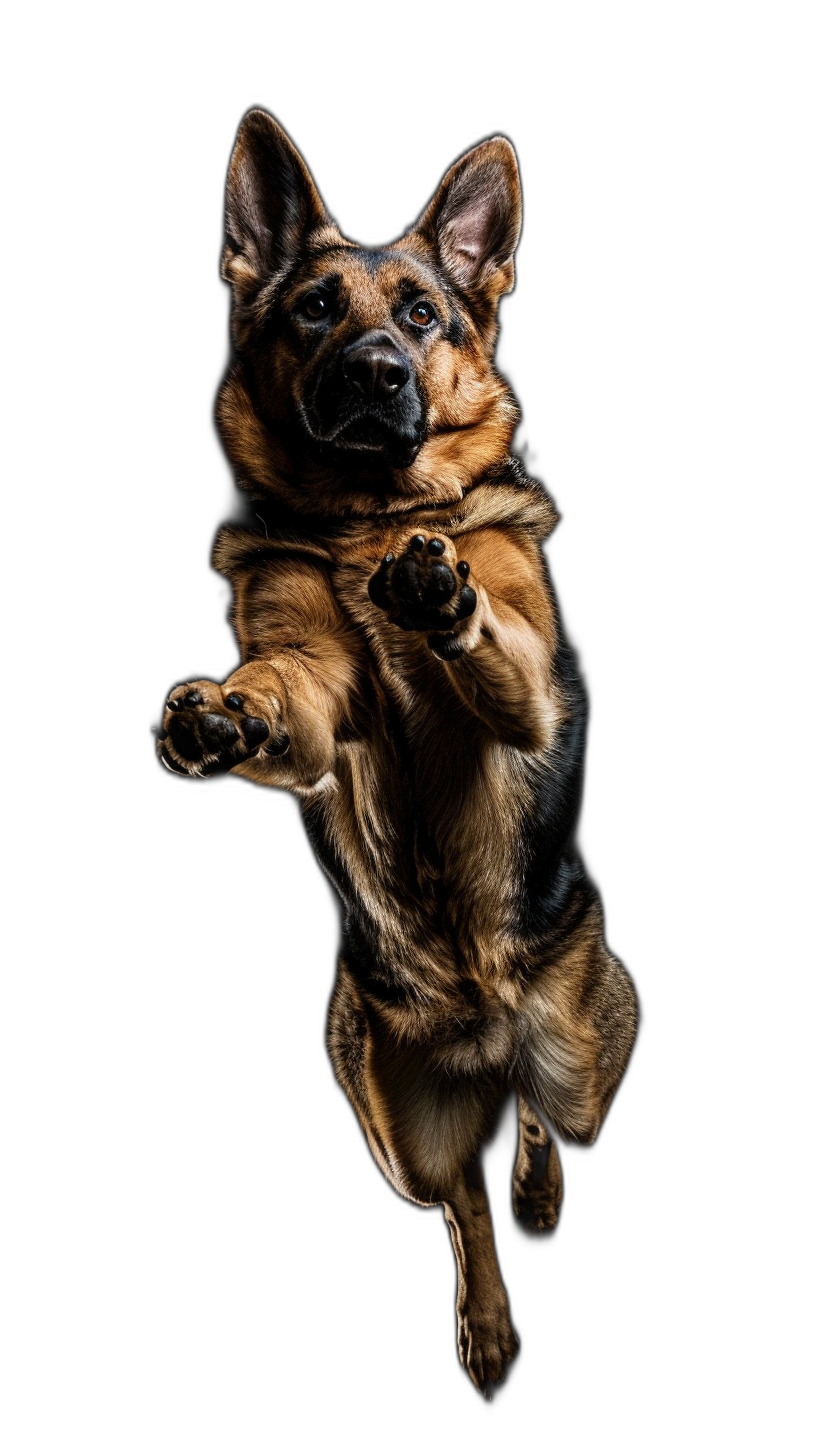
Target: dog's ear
271 206
474 220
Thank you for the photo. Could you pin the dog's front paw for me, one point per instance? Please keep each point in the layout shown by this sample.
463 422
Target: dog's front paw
426 589
209 729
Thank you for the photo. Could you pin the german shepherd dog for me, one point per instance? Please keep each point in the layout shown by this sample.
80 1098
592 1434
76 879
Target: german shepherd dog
405 673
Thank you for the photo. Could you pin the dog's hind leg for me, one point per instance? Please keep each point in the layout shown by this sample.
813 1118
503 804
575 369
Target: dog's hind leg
425 1130
486 1338
538 1185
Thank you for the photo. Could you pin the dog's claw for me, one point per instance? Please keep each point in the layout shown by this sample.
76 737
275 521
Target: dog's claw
173 767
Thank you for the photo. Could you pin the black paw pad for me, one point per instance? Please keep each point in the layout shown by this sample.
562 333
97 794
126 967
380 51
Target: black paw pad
278 746
440 585
187 700
405 579
254 729
467 602
446 646
184 739
216 731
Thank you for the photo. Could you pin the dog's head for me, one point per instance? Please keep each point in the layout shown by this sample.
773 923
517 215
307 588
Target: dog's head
365 377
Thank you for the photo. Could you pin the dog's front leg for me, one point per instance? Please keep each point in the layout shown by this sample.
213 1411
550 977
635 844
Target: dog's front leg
275 719
271 721
487 1340
483 608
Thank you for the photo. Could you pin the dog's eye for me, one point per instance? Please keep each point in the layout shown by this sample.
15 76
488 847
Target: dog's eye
422 314
314 305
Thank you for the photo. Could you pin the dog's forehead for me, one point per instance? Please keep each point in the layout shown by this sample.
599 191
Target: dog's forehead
371 273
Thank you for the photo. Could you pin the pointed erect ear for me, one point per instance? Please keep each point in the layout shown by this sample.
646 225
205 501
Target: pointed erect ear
475 219
272 202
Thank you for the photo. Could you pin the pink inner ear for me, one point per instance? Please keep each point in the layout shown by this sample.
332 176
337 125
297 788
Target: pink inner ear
472 227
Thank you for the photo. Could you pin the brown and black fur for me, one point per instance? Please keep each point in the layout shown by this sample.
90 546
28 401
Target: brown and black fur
405 673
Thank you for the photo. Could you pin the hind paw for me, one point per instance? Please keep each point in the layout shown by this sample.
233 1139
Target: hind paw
487 1345
538 1185
536 1212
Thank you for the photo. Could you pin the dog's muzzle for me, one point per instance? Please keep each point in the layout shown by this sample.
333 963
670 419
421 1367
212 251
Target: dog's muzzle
368 398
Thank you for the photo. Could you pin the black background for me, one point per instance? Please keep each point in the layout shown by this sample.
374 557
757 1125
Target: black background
260 1268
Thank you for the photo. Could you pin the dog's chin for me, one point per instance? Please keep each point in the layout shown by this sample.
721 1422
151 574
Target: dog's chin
374 441
395 451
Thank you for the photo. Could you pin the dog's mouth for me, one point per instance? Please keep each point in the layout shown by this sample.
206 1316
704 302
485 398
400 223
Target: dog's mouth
368 432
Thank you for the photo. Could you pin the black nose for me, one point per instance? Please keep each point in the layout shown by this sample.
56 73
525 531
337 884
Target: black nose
375 366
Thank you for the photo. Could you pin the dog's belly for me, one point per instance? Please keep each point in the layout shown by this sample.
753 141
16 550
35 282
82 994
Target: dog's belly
430 867
473 952
416 927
